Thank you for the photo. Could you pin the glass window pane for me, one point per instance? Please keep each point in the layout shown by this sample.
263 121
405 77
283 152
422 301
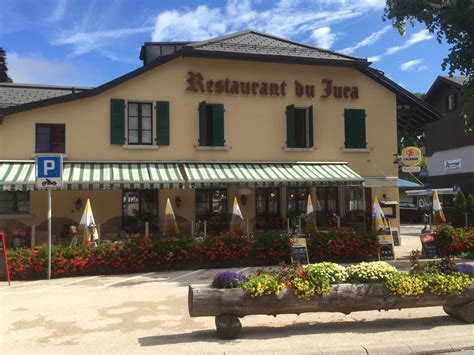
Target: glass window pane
146 110
132 137
132 109
146 123
133 122
146 137
6 202
219 201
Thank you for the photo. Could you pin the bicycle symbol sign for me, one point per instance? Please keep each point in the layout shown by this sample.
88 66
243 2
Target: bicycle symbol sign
49 171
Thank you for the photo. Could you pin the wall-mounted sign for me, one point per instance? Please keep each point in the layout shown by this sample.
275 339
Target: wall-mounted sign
452 166
411 169
411 156
197 83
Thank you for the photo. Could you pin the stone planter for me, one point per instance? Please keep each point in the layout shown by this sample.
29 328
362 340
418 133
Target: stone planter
228 305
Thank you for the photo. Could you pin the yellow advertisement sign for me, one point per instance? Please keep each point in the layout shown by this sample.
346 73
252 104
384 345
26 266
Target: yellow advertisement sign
411 156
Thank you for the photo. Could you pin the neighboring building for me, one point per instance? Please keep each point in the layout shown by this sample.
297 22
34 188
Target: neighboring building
449 148
249 115
13 94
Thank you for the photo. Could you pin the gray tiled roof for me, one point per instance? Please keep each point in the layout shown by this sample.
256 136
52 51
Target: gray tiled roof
257 43
460 80
12 94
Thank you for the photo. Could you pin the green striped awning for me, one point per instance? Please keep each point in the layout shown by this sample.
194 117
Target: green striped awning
92 176
269 174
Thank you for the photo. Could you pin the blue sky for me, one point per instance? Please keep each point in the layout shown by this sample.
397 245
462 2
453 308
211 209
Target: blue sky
89 42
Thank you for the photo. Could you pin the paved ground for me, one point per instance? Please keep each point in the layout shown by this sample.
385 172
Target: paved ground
148 313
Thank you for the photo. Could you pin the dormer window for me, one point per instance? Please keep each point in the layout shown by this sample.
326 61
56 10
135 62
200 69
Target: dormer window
451 102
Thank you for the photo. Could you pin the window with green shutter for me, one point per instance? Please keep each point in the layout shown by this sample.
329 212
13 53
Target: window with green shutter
354 128
162 109
117 121
211 124
299 127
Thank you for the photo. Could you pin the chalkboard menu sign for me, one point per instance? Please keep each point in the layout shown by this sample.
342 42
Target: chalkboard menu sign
396 237
299 251
429 249
387 250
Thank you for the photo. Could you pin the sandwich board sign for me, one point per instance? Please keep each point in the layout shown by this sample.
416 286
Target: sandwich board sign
49 171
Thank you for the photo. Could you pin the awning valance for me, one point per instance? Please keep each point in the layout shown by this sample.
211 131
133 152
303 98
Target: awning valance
88 176
270 174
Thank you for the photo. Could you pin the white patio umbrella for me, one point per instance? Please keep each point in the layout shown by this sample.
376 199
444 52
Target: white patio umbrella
237 220
88 223
170 227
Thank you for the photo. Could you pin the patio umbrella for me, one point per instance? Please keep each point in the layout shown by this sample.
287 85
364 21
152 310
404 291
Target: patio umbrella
379 216
87 220
237 224
170 227
310 226
438 215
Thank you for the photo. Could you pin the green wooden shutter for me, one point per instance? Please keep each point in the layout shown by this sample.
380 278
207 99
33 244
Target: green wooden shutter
162 110
117 121
202 124
218 125
290 126
310 125
354 128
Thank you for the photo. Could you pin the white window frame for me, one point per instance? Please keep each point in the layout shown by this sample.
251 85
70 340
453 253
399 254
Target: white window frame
153 120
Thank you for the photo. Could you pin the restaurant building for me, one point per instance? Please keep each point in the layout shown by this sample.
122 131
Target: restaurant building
247 115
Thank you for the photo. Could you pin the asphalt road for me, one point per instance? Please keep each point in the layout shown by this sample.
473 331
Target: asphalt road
147 313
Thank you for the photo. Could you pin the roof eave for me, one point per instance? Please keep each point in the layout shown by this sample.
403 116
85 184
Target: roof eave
199 53
398 90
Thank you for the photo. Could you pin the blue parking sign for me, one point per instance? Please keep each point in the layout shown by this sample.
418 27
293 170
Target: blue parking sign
49 171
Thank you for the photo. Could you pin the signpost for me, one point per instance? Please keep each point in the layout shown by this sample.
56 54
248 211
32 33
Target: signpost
49 176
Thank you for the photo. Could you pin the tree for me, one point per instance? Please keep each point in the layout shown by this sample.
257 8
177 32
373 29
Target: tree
449 19
420 95
4 78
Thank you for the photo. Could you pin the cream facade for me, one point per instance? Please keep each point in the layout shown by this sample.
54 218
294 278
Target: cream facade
255 131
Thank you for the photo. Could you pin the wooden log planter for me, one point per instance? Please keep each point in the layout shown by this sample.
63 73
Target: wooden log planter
228 305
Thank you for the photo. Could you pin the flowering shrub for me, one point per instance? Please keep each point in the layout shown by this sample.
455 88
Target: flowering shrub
342 245
26 264
226 247
406 285
271 247
263 284
334 273
448 284
376 271
454 241
465 268
228 279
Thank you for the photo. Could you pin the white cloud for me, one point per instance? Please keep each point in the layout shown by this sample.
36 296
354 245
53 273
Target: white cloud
287 18
58 12
422 68
407 66
323 37
85 42
375 58
34 69
417 37
374 37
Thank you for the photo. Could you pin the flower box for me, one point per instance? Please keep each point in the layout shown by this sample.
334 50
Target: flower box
228 305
